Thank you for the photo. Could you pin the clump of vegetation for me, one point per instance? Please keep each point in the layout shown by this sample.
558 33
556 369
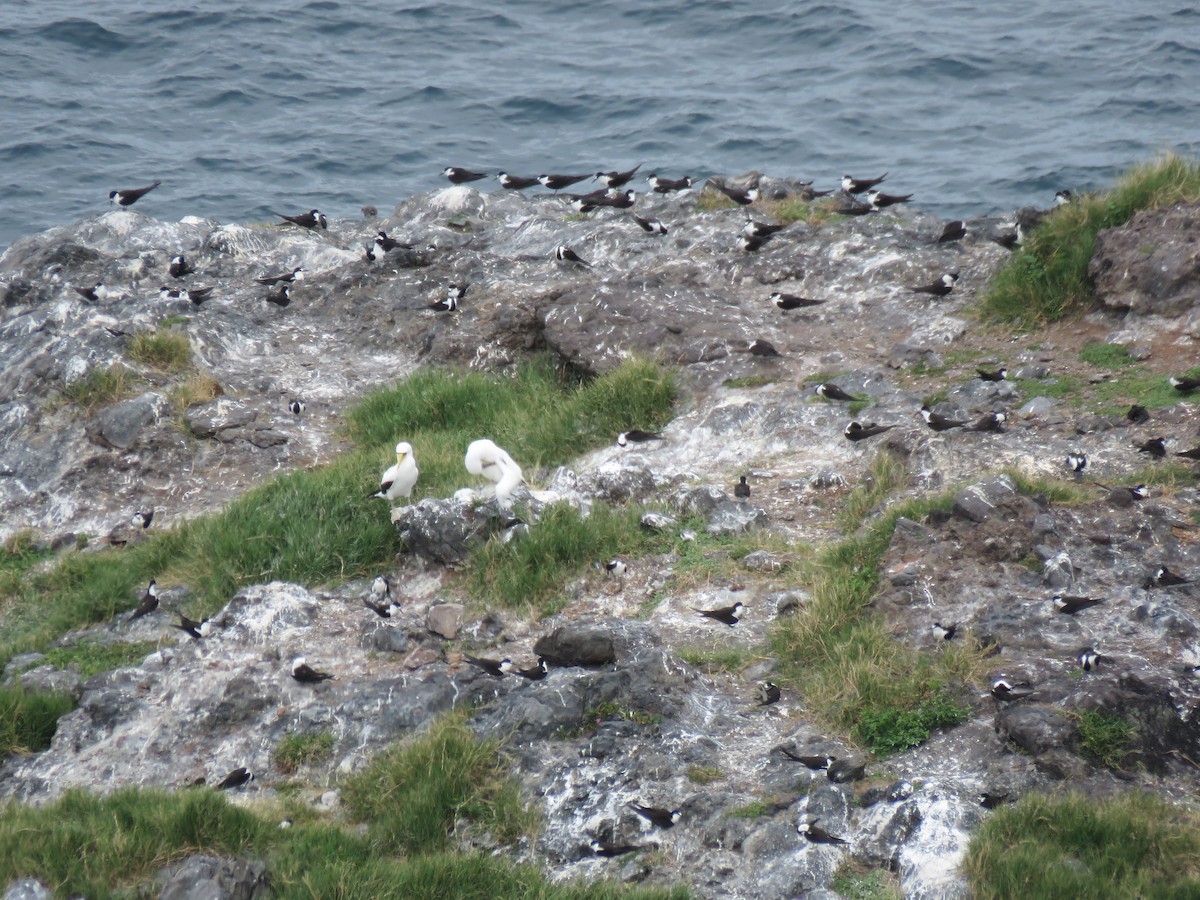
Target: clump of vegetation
28 719
1047 277
716 659
1134 845
607 711
443 777
704 774
1106 356
1104 737
91 657
886 475
893 730
298 750
755 809
99 387
855 881
199 388
167 350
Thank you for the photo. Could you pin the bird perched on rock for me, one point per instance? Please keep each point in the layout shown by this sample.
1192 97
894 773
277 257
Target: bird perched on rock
486 459
195 295
399 479
1137 415
1007 691
741 490
536 672
235 779
1164 577
196 630
953 231
858 431
380 602
939 422
662 818
944 632
297 274
610 849
459 175
1156 447
1090 659
296 407
760 229
880 200
305 674
130 196
768 693
858 185
792 301
1184 384
557 182
999 374
179 267
637 436
651 226
149 602
497 668
281 296
816 763
740 196
660 185
1010 240
754 244
311 219
617 179
992 422
1077 462
1063 197
142 519
1069 605
617 567
97 293
831 391
725 614
563 253
939 288
815 834
514 182
759 347
992 799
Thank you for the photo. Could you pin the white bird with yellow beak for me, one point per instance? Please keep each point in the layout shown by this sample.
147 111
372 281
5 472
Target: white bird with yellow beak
399 480
486 459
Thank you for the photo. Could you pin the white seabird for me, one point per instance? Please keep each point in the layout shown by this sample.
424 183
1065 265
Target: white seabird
486 459
398 481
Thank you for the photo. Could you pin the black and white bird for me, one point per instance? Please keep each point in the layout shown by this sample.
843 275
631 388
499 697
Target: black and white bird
944 632
991 422
992 799
741 490
618 179
1090 659
459 175
831 391
662 818
1010 240
563 253
753 244
768 693
759 347
1063 197
858 185
448 303
953 231
399 479
514 182
727 615
616 567
130 196
536 672
305 674
497 668
281 296
792 301
179 267
297 274
235 779
1077 462
650 226
816 763
1194 453
999 374
1184 384
1006 691
858 431
558 182
380 602
195 295
142 519
660 185
311 219
939 288
637 436
740 196
815 834
880 200
296 407
1164 577
1069 605
192 628
760 229
97 293
618 199
382 245
939 422
1156 447
149 602
1138 415
609 849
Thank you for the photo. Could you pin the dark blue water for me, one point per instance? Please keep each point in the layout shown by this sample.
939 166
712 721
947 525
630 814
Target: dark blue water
241 108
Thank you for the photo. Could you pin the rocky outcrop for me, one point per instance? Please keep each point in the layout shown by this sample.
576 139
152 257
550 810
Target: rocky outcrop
1151 264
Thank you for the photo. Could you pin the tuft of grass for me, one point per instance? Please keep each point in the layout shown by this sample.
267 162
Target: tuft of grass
704 774
793 209
749 381
1104 737
1047 277
887 474
716 659
610 709
710 198
198 388
755 809
28 719
91 657
167 350
99 387
414 795
298 750
1106 356
894 730
1061 492
1133 845
853 880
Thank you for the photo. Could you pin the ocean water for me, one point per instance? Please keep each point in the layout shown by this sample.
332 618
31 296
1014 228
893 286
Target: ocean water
243 108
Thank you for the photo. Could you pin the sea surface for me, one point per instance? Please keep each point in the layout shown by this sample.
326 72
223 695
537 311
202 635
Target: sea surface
244 108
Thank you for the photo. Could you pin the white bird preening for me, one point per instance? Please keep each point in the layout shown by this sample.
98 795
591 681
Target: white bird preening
398 480
486 459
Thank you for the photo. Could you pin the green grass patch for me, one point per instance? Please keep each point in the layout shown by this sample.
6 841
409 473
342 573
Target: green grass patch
710 198
18 554
297 750
704 774
886 475
755 809
716 659
749 381
99 387
167 350
91 657
1043 848
1106 356
853 880
893 730
1056 491
199 388
608 711
1103 737
1047 278
28 719
317 526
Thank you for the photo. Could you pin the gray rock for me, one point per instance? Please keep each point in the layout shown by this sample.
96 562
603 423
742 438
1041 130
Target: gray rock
762 561
577 645
214 878
444 531
445 619
119 426
26 889
1035 729
980 501
1037 408
1148 265
379 635
733 518
658 521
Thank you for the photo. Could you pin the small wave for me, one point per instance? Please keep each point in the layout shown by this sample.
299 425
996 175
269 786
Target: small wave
84 34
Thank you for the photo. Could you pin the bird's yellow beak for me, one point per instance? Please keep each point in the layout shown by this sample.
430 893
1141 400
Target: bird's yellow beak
399 458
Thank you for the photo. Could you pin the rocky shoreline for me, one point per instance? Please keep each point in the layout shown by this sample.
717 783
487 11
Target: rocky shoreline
669 733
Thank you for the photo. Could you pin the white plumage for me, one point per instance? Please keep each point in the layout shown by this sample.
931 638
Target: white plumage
399 480
486 459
